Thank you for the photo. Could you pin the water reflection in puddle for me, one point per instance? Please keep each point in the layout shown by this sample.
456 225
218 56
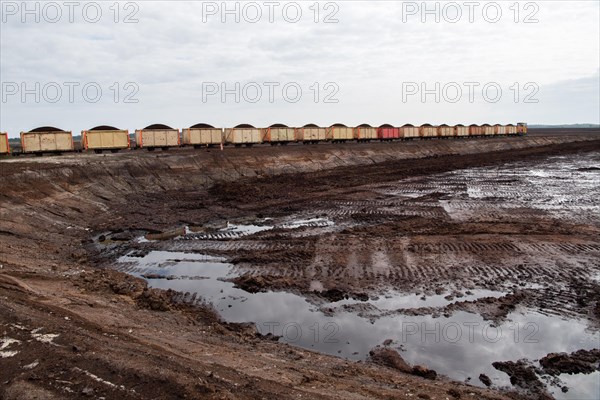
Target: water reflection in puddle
235 231
311 222
395 300
461 346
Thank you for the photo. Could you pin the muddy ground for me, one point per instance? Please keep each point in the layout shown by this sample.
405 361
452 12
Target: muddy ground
73 326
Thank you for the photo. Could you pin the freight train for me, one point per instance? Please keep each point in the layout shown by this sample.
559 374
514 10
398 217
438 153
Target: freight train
158 136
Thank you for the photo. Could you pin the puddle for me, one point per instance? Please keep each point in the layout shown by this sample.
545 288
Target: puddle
461 346
246 229
394 300
312 223
236 231
230 231
565 188
580 387
562 187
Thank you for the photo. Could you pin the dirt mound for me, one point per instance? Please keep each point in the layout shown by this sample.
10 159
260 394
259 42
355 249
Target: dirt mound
485 380
111 281
424 372
154 299
578 362
523 375
490 308
263 283
390 358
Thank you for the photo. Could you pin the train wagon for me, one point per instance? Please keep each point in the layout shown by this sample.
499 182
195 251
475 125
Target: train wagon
279 134
475 130
488 130
511 129
365 132
46 139
409 131
157 136
521 128
500 129
243 134
446 131
201 135
427 131
4 146
461 130
388 132
339 133
311 133
105 137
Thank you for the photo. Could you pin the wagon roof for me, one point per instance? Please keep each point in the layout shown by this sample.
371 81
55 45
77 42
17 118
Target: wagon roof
445 125
408 125
244 126
311 126
426 125
158 126
486 125
104 128
202 125
364 126
340 125
474 125
278 126
386 126
46 129
459 125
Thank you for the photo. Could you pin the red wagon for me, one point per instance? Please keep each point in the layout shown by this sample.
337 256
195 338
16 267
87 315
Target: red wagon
388 132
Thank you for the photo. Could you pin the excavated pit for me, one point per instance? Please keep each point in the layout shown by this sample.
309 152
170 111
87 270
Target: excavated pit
519 292
333 248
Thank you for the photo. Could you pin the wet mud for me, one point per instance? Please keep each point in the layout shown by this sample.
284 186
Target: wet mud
135 251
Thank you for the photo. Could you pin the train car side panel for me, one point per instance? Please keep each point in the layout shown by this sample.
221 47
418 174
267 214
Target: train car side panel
39 142
339 133
311 134
488 130
243 136
364 133
4 146
462 130
202 136
475 130
105 140
428 131
388 133
278 134
446 131
409 131
152 138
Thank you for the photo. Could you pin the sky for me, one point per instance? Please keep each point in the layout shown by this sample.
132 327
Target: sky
76 65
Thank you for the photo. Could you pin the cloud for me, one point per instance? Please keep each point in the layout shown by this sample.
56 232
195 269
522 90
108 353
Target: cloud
375 47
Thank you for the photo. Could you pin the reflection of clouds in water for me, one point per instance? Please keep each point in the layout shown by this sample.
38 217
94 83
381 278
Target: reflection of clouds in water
560 186
580 387
395 300
425 340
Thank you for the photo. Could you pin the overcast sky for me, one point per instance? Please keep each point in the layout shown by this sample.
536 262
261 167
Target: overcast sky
354 62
